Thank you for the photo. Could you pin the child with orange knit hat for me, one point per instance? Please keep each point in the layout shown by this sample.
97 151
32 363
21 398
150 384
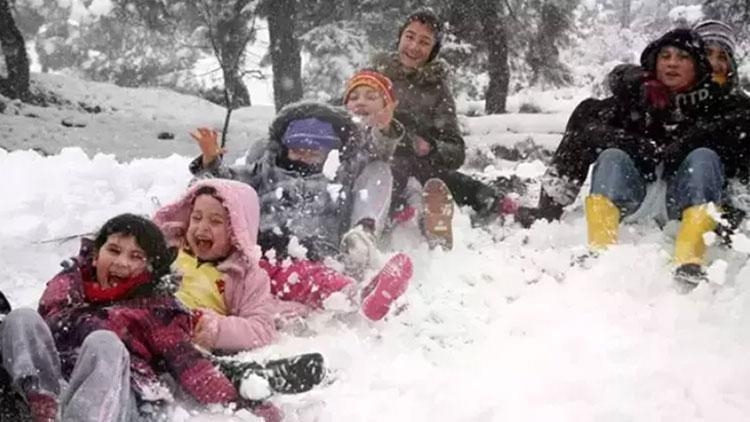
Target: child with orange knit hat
370 98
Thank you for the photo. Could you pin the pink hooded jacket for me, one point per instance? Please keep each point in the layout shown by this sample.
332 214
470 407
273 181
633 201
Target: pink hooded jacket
251 307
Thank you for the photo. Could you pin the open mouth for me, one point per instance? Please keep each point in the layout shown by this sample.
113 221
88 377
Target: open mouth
115 279
412 57
203 244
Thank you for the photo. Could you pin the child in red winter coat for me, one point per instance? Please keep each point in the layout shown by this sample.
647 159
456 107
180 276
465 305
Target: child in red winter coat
108 325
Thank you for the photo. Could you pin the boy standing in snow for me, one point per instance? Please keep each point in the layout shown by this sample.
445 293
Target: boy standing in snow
306 201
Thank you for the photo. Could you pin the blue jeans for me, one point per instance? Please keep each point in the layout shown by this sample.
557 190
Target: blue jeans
698 180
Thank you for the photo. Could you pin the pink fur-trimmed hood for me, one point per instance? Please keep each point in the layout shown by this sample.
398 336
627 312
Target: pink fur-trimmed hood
251 309
241 203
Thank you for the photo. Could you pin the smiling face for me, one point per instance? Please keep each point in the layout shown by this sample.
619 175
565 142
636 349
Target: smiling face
415 44
675 68
720 62
208 233
120 258
365 101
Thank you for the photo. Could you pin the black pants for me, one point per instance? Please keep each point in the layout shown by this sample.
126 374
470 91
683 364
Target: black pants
466 190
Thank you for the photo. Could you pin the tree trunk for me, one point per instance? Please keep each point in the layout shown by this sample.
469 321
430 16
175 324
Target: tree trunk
497 60
286 61
16 60
625 14
232 37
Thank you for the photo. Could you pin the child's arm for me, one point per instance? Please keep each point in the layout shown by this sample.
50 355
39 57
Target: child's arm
195 373
250 322
59 294
210 163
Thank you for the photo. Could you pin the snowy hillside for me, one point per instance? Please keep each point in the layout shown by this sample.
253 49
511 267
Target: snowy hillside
512 325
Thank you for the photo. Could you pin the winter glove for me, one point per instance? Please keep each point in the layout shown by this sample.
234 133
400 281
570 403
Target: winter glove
526 216
547 209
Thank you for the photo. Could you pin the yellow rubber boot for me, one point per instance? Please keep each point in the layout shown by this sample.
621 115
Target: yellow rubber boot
689 247
603 221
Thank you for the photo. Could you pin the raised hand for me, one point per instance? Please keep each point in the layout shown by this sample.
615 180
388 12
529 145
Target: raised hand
208 141
383 118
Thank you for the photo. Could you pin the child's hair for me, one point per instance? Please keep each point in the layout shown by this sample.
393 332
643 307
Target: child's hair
147 235
207 190
428 18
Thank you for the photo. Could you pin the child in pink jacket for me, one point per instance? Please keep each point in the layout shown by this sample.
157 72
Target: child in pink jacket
215 225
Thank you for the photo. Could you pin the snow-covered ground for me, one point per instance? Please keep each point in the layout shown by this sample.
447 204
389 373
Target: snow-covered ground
511 325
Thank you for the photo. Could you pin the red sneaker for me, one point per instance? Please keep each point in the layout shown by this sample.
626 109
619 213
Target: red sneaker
388 285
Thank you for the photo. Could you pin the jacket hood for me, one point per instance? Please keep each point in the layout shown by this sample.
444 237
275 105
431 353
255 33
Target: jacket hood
240 201
432 73
684 39
342 122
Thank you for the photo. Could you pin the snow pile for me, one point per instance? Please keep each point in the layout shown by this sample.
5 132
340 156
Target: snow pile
527 328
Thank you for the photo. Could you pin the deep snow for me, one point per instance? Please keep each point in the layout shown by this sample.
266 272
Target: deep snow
512 325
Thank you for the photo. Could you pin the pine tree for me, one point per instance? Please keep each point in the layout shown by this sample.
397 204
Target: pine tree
16 84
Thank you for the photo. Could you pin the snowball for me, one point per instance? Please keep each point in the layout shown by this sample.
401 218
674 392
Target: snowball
332 164
334 189
709 238
295 249
254 387
717 272
338 301
740 243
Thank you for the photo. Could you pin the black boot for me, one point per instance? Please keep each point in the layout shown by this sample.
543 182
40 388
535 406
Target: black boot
293 375
689 276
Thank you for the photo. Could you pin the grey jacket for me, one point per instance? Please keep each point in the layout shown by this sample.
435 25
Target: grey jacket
294 201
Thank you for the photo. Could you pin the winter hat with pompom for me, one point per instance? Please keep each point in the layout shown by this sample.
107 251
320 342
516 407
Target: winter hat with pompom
374 80
713 31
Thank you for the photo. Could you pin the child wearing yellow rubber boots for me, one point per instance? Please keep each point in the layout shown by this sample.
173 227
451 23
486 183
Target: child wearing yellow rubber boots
685 106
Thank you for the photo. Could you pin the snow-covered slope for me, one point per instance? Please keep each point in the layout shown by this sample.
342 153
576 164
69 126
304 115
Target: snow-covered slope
512 325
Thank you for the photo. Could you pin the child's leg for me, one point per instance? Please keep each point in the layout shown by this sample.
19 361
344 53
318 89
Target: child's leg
99 387
29 352
372 196
31 361
304 281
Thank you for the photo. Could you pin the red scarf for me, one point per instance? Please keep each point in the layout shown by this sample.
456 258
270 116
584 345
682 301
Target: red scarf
95 293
